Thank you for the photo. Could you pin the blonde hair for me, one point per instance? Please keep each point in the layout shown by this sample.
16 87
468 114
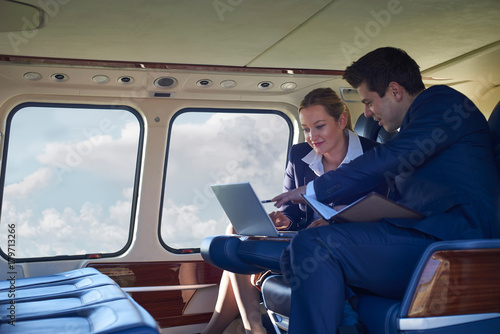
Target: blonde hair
327 98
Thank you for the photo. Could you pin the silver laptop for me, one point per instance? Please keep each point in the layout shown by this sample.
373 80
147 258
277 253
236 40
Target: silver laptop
245 211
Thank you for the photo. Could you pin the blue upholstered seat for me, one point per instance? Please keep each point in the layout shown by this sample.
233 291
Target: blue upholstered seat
62 301
367 127
48 289
49 279
78 301
117 316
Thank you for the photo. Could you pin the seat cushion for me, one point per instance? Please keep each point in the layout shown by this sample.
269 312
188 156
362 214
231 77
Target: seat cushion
378 314
277 295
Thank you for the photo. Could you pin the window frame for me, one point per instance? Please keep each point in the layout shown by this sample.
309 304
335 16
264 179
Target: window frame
283 115
137 175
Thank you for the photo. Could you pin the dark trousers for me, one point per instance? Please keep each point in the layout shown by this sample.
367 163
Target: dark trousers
322 262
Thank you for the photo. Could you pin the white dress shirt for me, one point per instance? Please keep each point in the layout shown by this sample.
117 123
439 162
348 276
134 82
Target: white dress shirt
314 160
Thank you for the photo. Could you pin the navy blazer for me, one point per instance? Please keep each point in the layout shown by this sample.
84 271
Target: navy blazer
440 163
298 174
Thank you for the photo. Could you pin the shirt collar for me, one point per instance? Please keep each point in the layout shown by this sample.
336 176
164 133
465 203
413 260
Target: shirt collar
354 150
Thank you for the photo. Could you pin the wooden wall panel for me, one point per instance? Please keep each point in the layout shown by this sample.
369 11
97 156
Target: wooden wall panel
165 306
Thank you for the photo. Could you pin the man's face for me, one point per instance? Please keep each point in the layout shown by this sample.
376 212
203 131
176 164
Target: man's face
385 110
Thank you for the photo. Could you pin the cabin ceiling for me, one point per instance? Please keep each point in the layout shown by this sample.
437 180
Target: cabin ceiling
318 34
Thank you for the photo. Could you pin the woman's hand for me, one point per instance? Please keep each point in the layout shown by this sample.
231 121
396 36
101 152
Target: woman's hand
280 220
290 196
319 222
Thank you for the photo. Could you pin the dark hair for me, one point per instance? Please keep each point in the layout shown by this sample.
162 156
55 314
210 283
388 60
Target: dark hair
381 66
327 98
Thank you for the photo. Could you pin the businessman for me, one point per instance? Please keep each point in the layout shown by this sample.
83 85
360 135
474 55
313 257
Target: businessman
439 163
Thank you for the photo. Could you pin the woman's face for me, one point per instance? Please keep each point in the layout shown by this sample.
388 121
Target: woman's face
322 131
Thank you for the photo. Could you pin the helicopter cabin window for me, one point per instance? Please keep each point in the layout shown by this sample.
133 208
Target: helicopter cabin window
208 147
69 175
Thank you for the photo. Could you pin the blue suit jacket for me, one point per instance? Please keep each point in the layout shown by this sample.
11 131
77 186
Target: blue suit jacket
440 163
298 174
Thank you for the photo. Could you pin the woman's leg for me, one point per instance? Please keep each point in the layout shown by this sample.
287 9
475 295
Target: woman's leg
226 308
236 296
248 300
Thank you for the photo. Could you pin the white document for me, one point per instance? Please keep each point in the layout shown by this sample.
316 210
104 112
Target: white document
370 208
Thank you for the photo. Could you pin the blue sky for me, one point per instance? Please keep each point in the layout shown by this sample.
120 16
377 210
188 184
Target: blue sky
61 178
224 148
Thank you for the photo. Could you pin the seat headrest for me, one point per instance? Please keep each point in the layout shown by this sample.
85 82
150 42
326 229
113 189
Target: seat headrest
494 123
367 127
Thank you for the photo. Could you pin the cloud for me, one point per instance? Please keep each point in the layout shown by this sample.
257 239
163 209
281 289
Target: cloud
31 183
88 230
184 228
226 148
229 148
49 215
101 154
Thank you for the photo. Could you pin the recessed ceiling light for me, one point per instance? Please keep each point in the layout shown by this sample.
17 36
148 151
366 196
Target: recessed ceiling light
126 80
265 85
228 84
33 76
288 85
204 83
100 79
59 77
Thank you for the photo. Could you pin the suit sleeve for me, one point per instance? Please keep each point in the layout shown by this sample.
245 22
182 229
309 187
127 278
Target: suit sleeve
428 128
290 210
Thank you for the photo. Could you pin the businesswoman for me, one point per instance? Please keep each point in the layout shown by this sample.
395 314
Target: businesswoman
330 142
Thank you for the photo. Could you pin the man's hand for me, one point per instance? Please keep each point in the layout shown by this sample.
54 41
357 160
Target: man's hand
280 220
319 222
290 196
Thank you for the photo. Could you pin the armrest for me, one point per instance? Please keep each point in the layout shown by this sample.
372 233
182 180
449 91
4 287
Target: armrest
221 251
263 253
243 255
455 278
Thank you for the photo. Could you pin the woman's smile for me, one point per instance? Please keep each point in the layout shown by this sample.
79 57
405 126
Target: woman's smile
317 144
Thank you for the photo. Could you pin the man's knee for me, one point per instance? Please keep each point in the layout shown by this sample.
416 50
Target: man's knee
316 242
307 252
302 242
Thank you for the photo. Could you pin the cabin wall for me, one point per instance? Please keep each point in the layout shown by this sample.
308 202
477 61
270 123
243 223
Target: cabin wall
475 74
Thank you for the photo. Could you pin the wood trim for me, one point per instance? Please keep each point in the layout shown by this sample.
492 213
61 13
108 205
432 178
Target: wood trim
273 239
167 307
166 66
456 282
